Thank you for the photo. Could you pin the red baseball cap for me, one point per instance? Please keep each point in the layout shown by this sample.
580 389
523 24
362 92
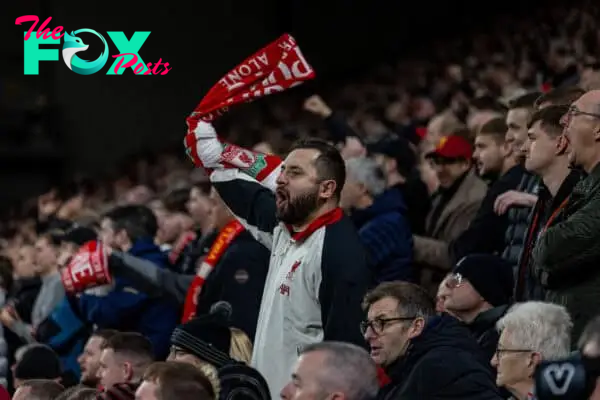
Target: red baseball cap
452 146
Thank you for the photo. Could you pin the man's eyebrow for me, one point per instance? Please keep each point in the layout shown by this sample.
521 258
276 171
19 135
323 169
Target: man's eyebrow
294 168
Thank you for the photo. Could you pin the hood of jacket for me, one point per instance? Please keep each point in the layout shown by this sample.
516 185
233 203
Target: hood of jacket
387 202
440 331
148 250
487 319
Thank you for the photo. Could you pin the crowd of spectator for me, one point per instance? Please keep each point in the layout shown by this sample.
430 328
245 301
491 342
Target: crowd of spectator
442 213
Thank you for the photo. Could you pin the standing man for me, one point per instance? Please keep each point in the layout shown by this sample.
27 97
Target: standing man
566 255
50 295
132 229
454 205
495 162
380 216
517 203
546 157
318 271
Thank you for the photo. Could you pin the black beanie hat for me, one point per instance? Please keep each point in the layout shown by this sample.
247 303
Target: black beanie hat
241 382
38 362
208 337
490 275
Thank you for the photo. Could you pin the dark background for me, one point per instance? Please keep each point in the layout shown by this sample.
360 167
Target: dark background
96 121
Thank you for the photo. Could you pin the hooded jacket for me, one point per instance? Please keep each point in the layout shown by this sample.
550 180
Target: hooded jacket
385 232
443 362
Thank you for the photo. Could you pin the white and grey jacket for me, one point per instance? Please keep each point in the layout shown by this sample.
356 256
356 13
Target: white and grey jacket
316 280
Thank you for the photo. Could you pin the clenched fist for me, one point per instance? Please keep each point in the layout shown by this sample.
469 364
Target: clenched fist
316 105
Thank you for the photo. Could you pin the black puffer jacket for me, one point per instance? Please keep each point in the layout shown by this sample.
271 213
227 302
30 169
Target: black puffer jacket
518 222
444 362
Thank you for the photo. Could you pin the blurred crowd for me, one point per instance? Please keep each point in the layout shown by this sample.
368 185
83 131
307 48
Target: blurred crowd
441 212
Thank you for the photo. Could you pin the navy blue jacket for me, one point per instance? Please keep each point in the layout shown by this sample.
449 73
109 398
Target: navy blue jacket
126 309
443 362
385 232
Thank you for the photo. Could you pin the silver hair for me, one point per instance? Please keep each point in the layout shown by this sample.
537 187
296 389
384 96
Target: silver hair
539 326
365 171
347 368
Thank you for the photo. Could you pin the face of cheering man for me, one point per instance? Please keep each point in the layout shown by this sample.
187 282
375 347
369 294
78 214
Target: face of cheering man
301 191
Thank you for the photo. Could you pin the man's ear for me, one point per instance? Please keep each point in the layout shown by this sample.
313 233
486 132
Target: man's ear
127 371
561 145
597 133
327 189
416 327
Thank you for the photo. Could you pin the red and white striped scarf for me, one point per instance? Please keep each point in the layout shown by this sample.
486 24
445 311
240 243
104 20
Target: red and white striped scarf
277 67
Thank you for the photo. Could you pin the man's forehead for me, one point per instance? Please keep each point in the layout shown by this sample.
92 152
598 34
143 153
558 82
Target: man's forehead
301 157
307 363
385 305
588 101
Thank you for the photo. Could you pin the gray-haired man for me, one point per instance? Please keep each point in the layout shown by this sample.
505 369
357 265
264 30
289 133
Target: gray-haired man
333 370
380 217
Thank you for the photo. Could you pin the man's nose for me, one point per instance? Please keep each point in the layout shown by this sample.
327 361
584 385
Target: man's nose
281 179
494 361
285 392
369 334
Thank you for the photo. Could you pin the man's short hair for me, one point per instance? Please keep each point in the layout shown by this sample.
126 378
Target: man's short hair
137 221
495 127
526 100
559 96
42 389
130 344
175 200
365 171
329 164
78 393
550 118
412 299
539 326
181 381
487 103
105 334
347 368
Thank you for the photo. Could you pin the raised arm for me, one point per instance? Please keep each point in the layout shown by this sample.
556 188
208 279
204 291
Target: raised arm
149 278
245 180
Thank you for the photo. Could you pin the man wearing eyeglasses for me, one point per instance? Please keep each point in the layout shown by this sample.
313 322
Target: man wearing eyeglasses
566 256
426 356
481 288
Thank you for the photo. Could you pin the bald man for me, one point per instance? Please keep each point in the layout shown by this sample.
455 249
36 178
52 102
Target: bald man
567 254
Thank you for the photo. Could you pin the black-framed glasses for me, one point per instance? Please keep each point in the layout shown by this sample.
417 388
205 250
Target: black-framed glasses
574 111
500 351
379 324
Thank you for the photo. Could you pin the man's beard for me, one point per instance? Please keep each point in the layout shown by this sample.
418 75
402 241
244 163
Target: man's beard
298 210
90 381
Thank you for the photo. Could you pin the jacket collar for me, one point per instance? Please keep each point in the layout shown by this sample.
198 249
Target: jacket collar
487 319
328 218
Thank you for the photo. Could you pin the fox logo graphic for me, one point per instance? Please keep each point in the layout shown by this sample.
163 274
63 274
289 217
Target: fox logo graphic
74 45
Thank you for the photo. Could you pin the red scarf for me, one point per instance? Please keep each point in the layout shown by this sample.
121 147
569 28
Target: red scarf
226 236
277 67
184 239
